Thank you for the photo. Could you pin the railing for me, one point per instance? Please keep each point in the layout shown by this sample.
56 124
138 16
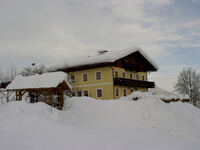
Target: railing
131 82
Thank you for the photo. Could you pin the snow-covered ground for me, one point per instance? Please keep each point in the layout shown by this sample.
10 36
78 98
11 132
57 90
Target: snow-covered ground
87 124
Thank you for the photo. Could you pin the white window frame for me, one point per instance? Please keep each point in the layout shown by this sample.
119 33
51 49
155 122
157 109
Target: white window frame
97 93
123 92
131 74
74 77
80 92
116 92
137 77
115 74
143 78
84 93
83 78
123 73
74 93
96 75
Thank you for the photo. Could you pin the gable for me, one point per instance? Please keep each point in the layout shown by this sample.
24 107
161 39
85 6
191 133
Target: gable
135 62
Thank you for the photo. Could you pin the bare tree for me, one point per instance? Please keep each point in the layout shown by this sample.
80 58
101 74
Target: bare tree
189 84
8 74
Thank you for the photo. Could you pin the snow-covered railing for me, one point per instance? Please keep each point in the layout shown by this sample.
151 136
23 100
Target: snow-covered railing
6 95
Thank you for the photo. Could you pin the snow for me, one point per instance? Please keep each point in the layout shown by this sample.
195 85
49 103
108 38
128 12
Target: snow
45 80
87 123
110 56
163 94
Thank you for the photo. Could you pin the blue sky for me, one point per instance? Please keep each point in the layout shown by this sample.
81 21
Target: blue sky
44 31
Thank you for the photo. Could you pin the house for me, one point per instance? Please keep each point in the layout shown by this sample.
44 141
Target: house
109 74
46 87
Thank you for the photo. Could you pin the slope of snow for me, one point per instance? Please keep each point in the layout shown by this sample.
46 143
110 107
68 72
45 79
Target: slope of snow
180 119
45 80
87 124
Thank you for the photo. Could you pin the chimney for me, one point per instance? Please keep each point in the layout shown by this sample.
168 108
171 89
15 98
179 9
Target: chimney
102 51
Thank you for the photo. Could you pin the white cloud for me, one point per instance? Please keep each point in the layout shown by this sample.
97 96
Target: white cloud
53 30
74 26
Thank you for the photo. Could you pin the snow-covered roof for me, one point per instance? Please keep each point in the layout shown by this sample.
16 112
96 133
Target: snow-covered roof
110 56
45 80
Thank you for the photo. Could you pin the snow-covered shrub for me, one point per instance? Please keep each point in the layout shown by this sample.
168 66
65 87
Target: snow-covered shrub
138 95
34 69
189 84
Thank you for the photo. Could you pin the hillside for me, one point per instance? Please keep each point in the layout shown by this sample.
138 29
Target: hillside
87 124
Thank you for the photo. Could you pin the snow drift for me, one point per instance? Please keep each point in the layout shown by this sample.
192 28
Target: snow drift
87 123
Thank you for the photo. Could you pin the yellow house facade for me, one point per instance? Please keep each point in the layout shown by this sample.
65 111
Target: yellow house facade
103 79
110 75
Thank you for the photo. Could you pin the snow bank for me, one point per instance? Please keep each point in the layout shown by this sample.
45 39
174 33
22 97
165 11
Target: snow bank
90 124
180 119
45 80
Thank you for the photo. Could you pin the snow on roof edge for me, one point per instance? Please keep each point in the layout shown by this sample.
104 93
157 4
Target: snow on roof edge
45 80
110 56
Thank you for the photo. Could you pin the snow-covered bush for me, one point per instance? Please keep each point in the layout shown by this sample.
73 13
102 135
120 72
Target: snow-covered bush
189 84
34 69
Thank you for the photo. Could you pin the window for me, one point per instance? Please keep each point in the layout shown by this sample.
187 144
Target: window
131 76
85 77
137 77
124 91
131 90
143 78
124 75
99 93
116 74
85 92
72 77
117 92
98 75
73 93
79 93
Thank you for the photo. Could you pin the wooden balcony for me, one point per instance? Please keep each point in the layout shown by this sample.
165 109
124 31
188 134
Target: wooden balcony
131 82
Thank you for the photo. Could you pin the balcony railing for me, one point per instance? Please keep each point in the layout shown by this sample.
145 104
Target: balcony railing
131 82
